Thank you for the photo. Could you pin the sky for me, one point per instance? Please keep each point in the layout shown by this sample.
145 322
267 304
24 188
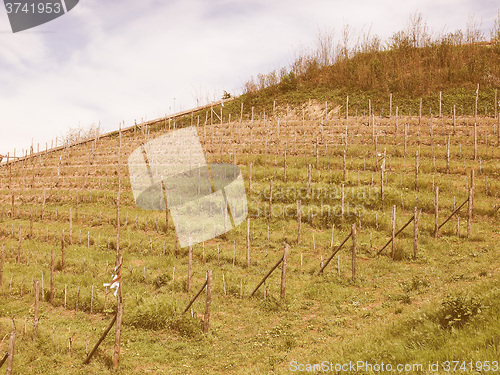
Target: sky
113 61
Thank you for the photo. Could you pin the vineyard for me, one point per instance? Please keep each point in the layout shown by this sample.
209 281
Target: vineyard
377 222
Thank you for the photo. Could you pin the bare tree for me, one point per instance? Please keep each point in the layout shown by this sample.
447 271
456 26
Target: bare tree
325 47
367 43
345 45
473 32
495 32
418 31
74 135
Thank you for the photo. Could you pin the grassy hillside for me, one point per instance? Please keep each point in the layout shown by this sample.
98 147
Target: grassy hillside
438 306
433 305
413 64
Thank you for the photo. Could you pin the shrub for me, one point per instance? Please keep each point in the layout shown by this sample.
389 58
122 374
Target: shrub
405 298
457 310
152 314
415 284
186 325
272 304
281 337
162 280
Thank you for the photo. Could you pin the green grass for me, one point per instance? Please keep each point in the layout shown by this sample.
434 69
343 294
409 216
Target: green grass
393 312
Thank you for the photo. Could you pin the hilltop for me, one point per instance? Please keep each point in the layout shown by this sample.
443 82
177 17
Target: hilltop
411 65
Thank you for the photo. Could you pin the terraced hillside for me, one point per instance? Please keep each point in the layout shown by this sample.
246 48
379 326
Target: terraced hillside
433 302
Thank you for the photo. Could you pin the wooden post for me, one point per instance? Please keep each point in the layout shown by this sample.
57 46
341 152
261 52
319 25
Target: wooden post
70 227
317 153
416 170
4 359
77 298
431 134
440 101
42 214
11 352
76 206
283 272
454 120
223 277
369 118
469 211
472 186
190 266
241 114
101 339
119 316
382 168
374 138
347 108
395 126
393 232
496 103
353 235
436 212
62 250
206 320
2 260
397 233
309 178
415 233
18 258
166 215
265 277
284 163
270 198
250 181
52 265
453 213
390 106
448 155
344 164
31 222
419 119
37 304
195 297
175 246
334 252
118 250
475 123
248 242
498 130
299 220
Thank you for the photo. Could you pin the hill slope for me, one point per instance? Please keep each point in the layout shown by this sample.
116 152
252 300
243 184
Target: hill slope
411 65
416 302
395 310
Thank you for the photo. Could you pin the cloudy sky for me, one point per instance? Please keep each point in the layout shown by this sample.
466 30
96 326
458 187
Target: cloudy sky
109 61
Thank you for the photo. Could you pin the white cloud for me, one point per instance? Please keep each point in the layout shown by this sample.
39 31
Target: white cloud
115 60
